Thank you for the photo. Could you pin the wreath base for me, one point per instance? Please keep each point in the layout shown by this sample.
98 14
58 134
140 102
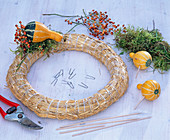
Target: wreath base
71 109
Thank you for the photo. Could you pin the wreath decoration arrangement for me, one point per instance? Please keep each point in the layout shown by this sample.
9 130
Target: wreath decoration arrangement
36 40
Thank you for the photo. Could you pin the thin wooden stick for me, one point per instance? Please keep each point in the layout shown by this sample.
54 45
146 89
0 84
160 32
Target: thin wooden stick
97 124
109 126
97 120
81 129
137 72
139 103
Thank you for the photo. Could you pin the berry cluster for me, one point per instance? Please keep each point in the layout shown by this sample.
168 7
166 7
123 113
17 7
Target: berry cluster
98 23
26 46
23 42
20 37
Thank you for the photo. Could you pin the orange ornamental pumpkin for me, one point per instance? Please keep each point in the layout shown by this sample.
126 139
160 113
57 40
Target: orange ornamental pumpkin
141 59
38 32
150 89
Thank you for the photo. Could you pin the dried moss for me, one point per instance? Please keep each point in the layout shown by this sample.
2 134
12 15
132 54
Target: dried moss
139 39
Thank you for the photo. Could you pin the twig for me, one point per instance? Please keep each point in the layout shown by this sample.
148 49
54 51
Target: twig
59 15
164 56
153 25
84 13
23 58
72 28
79 123
13 43
109 126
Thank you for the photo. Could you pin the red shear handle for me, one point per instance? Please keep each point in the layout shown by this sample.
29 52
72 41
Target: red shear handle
2 112
8 102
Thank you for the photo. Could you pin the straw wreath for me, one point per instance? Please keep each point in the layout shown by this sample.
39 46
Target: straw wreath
71 109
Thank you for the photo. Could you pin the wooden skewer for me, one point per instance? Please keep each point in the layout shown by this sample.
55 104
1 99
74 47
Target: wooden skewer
137 72
109 126
139 103
67 126
81 129
101 123
97 124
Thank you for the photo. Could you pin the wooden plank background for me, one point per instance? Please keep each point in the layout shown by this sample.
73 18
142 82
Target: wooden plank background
137 13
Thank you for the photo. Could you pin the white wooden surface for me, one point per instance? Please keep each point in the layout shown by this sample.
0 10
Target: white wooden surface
139 13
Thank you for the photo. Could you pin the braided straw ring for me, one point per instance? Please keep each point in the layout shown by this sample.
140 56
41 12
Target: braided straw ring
71 109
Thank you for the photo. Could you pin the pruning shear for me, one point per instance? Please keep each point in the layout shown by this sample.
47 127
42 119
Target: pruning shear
15 113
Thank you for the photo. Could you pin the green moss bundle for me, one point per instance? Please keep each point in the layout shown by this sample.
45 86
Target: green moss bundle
139 39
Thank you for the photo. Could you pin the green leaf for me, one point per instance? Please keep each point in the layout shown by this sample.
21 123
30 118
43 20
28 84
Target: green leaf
121 53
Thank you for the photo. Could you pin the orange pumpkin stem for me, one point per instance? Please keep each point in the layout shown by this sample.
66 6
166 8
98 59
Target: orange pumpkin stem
55 36
131 55
139 86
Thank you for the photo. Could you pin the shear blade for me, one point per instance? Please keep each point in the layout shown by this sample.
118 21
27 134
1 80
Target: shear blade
28 123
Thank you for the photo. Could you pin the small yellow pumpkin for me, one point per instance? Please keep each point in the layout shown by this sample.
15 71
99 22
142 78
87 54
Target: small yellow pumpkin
150 89
141 59
38 32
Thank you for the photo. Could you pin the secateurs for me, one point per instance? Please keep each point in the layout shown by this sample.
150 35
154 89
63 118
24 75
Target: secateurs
15 113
